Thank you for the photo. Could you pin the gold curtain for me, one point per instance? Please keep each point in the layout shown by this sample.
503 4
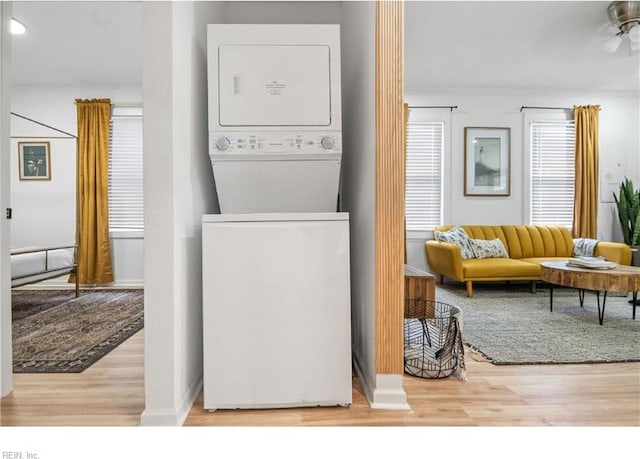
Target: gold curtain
94 254
585 207
405 119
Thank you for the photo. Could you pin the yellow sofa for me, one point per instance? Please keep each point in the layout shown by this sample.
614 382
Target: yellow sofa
527 247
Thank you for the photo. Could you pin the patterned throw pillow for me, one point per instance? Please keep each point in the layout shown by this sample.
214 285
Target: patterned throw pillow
458 236
488 249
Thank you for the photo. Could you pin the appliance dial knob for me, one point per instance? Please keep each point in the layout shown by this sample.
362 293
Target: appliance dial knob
328 143
222 143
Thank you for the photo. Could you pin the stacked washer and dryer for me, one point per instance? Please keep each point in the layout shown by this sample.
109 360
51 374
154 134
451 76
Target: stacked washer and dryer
276 289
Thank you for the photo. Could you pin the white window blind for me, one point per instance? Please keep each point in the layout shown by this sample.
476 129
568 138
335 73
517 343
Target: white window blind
126 203
552 173
423 193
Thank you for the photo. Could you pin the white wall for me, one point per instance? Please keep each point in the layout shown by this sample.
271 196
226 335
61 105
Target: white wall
51 205
322 12
127 258
6 360
179 188
619 150
358 189
44 211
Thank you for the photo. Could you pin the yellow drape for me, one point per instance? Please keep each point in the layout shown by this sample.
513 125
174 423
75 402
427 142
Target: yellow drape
405 119
94 257
585 207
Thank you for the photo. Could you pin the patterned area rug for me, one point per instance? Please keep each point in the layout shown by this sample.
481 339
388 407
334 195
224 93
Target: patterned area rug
55 332
506 324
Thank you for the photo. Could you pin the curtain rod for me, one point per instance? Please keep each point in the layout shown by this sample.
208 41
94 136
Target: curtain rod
545 108
45 125
450 107
66 137
117 104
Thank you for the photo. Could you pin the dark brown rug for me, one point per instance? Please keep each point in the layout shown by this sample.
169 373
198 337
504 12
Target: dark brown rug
55 332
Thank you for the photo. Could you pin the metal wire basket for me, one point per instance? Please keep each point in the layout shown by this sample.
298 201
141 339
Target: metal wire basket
433 346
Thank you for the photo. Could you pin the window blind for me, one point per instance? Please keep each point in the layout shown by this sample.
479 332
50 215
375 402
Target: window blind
552 173
423 183
126 198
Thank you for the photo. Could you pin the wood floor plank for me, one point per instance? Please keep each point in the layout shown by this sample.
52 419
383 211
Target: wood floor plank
111 393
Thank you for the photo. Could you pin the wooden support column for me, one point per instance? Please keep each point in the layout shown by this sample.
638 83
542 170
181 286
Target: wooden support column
390 177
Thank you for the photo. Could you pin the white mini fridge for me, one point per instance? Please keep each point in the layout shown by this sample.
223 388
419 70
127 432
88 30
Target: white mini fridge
276 310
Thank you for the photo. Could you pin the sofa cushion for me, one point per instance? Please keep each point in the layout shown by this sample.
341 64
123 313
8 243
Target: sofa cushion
457 236
488 249
499 268
524 241
538 241
614 251
539 260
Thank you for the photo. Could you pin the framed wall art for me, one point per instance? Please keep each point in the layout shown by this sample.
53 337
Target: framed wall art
34 160
487 161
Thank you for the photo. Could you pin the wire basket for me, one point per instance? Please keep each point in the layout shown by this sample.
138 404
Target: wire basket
433 345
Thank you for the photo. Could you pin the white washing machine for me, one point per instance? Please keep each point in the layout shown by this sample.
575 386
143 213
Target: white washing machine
276 310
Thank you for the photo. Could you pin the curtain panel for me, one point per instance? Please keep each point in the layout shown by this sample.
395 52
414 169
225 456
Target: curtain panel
94 254
585 208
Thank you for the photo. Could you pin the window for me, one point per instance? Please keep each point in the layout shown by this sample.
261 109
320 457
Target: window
126 204
423 187
552 173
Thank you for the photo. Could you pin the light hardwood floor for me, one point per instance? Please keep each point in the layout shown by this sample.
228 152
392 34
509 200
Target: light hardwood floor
111 393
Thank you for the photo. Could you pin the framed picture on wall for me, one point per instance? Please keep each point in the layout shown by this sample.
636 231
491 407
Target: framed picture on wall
34 160
487 161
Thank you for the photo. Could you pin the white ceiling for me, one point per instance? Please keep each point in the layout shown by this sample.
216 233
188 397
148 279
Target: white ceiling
451 44
78 43
549 45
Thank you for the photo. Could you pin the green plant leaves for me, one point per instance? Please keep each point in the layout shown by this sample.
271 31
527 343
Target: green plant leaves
628 205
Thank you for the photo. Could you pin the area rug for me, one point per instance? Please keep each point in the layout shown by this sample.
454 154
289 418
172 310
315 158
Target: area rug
507 324
55 332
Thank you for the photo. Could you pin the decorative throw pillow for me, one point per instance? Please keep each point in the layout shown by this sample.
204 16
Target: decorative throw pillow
488 249
458 236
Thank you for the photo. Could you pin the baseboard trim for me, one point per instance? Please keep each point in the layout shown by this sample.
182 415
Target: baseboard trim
389 393
173 418
386 392
159 418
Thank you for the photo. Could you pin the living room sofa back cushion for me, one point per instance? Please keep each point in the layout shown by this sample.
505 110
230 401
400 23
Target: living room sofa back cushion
523 241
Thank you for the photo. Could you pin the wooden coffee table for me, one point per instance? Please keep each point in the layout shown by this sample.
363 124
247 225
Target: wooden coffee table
620 279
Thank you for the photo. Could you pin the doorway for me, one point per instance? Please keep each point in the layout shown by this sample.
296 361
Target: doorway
51 66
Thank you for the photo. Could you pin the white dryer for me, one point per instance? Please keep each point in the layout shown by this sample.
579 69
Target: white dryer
275 138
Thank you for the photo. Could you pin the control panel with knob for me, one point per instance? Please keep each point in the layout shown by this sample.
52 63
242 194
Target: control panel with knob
328 142
285 142
222 143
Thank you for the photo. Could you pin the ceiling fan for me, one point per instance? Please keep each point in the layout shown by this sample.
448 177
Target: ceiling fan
624 22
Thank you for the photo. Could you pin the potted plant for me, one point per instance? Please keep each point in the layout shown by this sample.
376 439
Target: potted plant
628 205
